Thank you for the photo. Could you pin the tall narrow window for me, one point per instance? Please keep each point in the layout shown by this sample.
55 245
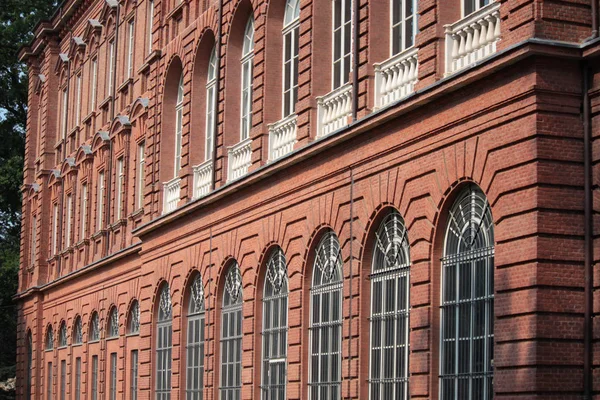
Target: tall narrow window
62 335
33 240
195 341
94 84
77 331
49 338
49 382
178 127
68 221
211 103
231 335
29 366
291 34
54 228
111 67
78 378
274 346
247 75
130 47
120 188
134 318
404 24
467 324
113 376
94 377
78 100
141 175
470 6
134 375
342 42
65 105
100 201
83 212
113 323
63 379
389 310
94 332
325 373
163 345
150 24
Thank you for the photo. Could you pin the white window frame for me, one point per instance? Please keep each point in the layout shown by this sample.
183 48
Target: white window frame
100 201
195 341
94 83
83 211
164 343
150 24
211 104
291 33
111 66
390 307
134 375
32 240
68 220
247 62
120 188
63 379
78 378
231 335
178 127
49 382
65 106
326 280
78 84
139 197
94 377
55 228
401 25
130 47
113 377
275 327
478 4
341 68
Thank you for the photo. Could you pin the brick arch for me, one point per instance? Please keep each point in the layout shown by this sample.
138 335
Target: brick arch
173 74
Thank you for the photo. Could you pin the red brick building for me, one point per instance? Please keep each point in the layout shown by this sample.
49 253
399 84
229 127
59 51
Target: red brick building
312 199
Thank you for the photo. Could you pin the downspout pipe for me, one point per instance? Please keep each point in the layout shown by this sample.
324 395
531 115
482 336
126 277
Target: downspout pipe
355 57
218 95
594 19
588 232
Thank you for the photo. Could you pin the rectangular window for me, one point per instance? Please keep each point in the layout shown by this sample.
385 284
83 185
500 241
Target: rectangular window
94 84
247 68
78 378
120 188
100 201
134 375
113 376
150 24
33 240
65 104
470 6
139 199
83 212
94 377
68 221
342 42
111 66
63 380
404 24
49 382
130 49
78 101
290 67
54 228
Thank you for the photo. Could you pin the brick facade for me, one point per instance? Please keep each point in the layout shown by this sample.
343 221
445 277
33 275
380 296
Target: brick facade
510 123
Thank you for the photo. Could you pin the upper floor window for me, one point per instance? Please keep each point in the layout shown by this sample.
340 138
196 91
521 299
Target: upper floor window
49 338
467 311
404 24
68 220
113 323
100 201
139 195
78 84
342 42
291 34
83 211
62 334
94 331
275 324
247 75
164 334
150 24
134 318
195 341
94 377
389 310
130 47
77 331
470 6
211 103
29 366
33 238
111 67
178 126
64 109
93 83
231 335
55 228
120 189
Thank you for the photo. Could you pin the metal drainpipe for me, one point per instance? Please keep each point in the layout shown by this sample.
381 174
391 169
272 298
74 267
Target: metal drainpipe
217 95
594 18
588 228
355 56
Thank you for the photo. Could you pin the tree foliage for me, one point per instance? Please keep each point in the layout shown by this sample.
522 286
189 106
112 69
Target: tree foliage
17 20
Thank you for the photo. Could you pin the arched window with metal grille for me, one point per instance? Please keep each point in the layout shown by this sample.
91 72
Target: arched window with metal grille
133 321
62 334
325 368
247 78
164 343
113 323
94 331
195 341
291 35
467 309
49 338
178 127
275 327
390 286
77 331
231 335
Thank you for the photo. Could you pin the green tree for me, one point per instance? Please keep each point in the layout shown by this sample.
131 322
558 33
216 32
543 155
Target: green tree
17 20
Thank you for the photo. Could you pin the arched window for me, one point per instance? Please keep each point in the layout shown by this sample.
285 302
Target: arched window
467 311
77 331
211 103
247 77
325 373
113 323
404 24
195 341
134 318
342 42
178 127
49 338
291 34
275 325
164 342
94 333
390 280
231 335
62 335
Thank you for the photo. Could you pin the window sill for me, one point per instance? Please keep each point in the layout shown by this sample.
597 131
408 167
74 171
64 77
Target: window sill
125 85
88 118
154 55
82 243
98 234
177 11
105 102
137 213
117 224
77 345
133 334
111 339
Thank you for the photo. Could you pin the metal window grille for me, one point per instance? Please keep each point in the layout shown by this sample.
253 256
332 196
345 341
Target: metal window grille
78 378
139 201
275 327
470 6
113 376
134 318
247 76
291 32
178 127
404 24
325 372
134 375
94 377
211 96
342 42
390 286
63 379
49 382
195 341
49 338
467 311
231 336
94 328
62 335
113 323
77 332
120 187
83 211
164 337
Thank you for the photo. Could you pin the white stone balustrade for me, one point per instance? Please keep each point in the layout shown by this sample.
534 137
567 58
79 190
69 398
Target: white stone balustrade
202 179
473 38
239 159
282 137
334 110
171 195
396 77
